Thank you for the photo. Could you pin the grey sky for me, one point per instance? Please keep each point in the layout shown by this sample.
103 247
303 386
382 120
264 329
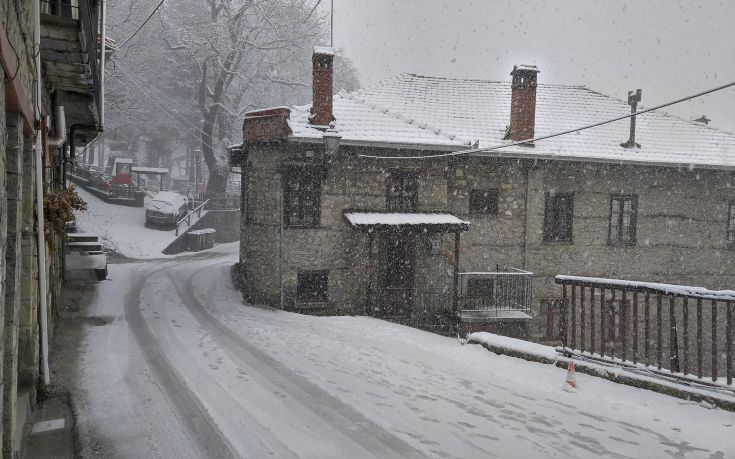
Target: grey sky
668 48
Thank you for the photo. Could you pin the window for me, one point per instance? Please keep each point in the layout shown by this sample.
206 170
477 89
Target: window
623 216
402 191
301 196
731 225
558 217
312 286
550 319
484 202
478 288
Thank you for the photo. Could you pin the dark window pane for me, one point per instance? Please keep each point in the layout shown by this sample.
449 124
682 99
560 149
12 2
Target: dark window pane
312 286
301 197
558 218
484 202
402 191
623 216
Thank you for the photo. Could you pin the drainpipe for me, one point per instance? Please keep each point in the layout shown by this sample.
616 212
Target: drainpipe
103 56
39 201
527 216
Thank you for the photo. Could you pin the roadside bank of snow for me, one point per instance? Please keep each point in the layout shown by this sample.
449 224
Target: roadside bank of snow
121 228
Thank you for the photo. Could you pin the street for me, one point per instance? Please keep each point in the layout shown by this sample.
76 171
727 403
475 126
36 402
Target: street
166 360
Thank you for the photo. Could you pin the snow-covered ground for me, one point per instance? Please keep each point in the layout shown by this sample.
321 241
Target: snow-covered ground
122 228
186 367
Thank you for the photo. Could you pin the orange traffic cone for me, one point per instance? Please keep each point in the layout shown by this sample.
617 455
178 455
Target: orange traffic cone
570 385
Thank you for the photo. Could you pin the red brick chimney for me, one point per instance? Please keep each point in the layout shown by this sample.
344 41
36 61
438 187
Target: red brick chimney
321 110
523 102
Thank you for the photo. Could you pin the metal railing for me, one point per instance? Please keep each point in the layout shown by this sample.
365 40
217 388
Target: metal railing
220 201
505 289
197 210
663 326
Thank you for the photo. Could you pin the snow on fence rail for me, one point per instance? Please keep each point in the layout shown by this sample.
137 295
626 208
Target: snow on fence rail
618 308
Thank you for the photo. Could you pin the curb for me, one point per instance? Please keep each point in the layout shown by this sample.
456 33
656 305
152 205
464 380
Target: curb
620 378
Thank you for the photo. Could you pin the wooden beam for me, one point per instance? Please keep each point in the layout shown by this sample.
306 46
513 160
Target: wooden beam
456 273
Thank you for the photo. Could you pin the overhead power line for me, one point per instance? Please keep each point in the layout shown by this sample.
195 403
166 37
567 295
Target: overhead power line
142 25
181 127
557 134
170 112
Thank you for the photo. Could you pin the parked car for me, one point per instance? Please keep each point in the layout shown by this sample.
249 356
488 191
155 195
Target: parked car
166 208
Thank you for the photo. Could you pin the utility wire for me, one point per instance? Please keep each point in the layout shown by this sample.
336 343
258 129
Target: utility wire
144 86
181 120
182 128
142 25
535 139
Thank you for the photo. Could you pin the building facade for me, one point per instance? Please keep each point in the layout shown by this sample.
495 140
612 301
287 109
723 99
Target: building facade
51 99
390 224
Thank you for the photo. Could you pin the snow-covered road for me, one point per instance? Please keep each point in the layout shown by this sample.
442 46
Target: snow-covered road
173 364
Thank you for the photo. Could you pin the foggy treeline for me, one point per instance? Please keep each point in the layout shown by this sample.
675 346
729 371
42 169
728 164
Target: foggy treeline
184 81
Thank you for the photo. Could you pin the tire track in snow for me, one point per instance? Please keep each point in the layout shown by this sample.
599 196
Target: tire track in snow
372 438
191 412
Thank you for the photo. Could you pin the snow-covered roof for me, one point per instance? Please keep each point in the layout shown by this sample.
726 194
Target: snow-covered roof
443 220
452 114
124 160
328 50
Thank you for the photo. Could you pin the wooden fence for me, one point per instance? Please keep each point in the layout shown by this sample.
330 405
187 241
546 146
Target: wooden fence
666 326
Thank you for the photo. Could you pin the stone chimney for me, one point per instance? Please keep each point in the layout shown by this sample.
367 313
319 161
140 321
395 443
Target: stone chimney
523 103
322 88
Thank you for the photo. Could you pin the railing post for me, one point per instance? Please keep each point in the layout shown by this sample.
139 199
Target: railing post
659 332
602 322
581 318
714 340
685 357
574 317
592 320
624 324
699 338
635 327
611 322
673 344
563 314
647 328
728 342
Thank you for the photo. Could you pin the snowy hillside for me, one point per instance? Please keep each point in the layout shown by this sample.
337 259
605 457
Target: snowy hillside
121 228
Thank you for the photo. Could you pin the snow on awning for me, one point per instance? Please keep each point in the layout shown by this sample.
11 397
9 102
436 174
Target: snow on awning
150 170
427 221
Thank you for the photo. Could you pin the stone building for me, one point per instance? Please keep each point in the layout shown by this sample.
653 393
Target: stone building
51 101
391 223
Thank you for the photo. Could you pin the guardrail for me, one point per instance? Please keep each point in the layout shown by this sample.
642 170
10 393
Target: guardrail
197 210
506 289
618 309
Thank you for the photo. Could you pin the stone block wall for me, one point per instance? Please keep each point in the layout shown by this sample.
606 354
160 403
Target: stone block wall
680 237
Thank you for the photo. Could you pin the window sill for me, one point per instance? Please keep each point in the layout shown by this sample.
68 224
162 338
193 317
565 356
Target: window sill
621 244
287 227
554 242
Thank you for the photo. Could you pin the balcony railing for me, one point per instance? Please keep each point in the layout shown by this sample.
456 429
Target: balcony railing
504 293
658 326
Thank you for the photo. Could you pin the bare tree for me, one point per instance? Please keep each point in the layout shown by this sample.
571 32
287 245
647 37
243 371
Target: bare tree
243 49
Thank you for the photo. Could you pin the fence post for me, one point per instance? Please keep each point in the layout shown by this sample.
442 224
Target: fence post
602 322
728 342
673 341
714 340
685 312
699 337
563 314
574 317
581 318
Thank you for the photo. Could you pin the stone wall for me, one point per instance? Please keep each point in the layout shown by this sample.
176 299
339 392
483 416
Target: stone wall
681 224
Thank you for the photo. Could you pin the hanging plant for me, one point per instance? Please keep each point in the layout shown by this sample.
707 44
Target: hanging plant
58 209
